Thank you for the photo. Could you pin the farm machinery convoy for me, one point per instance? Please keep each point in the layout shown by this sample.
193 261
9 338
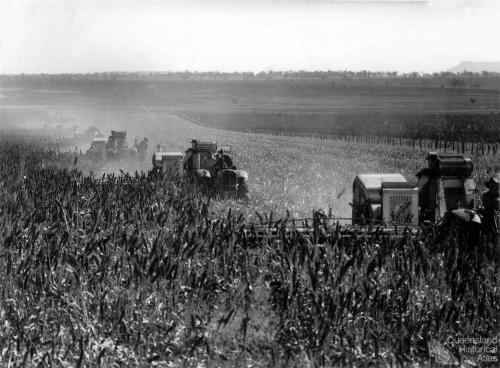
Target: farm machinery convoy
444 193
207 164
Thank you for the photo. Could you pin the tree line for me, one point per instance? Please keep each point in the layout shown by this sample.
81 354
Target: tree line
455 78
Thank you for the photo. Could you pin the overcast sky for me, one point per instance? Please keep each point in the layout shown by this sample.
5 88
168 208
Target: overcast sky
56 36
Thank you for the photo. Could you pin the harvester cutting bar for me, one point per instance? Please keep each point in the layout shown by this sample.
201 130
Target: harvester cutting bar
330 221
324 229
323 236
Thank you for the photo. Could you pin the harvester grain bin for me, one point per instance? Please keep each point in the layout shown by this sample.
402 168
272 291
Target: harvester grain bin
170 163
445 185
211 167
384 199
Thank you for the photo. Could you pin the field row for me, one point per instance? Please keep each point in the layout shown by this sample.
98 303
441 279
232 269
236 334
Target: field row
472 127
442 143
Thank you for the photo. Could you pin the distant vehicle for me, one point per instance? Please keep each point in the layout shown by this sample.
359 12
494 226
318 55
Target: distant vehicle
142 149
115 147
98 148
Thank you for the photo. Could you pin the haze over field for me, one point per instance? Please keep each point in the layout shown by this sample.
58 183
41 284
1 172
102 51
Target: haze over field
58 36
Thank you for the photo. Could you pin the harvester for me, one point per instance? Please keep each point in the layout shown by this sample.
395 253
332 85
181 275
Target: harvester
170 163
445 193
444 186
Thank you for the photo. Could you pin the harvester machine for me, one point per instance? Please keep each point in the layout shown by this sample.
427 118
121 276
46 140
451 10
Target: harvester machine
444 186
384 203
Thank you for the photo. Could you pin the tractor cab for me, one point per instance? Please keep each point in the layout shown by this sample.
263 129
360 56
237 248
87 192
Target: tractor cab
168 162
384 199
445 185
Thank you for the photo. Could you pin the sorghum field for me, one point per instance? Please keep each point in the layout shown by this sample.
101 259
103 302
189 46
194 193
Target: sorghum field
103 266
134 271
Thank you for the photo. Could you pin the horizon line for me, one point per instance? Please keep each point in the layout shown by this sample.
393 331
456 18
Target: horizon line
238 72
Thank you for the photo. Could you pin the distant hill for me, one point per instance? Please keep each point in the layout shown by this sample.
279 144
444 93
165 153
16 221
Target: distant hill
477 67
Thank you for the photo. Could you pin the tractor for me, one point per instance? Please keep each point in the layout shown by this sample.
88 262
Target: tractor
445 189
209 166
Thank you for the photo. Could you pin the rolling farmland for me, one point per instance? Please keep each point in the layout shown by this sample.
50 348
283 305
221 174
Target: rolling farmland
286 173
